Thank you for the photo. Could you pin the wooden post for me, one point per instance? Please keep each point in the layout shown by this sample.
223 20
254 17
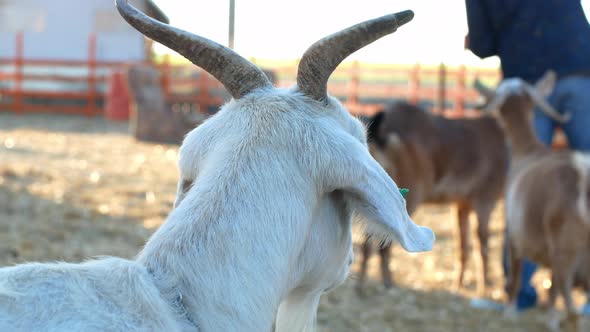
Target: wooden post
353 89
232 18
18 72
91 108
165 76
460 92
414 84
203 99
441 101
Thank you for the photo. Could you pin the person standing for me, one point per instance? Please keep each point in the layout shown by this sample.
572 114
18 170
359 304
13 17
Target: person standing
530 37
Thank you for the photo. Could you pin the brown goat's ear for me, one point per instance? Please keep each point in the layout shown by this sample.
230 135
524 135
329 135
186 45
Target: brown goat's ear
546 83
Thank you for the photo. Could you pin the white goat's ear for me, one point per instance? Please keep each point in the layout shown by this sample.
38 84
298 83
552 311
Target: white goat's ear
546 83
377 198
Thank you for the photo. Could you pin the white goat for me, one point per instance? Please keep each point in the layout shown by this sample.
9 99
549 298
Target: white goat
547 207
265 228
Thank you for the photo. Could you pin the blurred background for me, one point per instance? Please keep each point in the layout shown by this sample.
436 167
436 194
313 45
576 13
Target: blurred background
92 113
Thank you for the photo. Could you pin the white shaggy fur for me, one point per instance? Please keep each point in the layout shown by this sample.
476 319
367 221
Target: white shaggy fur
267 222
261 228
326 252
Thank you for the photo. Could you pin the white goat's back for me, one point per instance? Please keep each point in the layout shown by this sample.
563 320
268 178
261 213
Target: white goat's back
65 297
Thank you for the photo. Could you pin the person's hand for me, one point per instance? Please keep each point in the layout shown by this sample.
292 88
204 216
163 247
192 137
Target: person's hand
466 42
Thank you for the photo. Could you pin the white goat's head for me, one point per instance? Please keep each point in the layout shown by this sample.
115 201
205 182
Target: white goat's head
514 98
296 149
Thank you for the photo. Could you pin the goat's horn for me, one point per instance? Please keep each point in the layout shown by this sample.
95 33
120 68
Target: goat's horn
546 107
238 75
322 58
482 89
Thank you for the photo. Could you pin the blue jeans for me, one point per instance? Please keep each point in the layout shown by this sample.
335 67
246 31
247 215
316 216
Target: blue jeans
570 95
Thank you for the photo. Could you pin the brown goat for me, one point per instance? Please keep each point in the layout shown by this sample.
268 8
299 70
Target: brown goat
441 160
547 206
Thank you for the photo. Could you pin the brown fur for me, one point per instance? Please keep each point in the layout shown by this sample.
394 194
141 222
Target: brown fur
543 216
441 160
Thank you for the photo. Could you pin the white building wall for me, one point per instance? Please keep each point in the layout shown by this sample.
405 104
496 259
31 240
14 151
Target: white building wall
59 29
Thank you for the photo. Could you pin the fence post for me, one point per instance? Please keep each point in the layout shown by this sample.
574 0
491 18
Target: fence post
460 92
203 99
414 84
165 76
18 72
353 89
441 101
91 109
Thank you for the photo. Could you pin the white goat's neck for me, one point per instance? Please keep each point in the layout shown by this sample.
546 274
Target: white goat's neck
252 200
199 252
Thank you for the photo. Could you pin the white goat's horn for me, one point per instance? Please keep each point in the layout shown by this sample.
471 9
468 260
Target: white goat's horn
322 58
546 107
238 75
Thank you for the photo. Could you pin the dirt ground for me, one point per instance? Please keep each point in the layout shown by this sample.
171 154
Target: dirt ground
73 187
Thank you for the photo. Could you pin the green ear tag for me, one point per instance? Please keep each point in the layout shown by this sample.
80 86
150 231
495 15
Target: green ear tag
404 192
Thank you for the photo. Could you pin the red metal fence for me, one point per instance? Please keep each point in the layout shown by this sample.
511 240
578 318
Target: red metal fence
363 88
13 82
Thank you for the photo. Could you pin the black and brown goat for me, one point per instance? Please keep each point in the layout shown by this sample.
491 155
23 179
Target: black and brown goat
441 160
